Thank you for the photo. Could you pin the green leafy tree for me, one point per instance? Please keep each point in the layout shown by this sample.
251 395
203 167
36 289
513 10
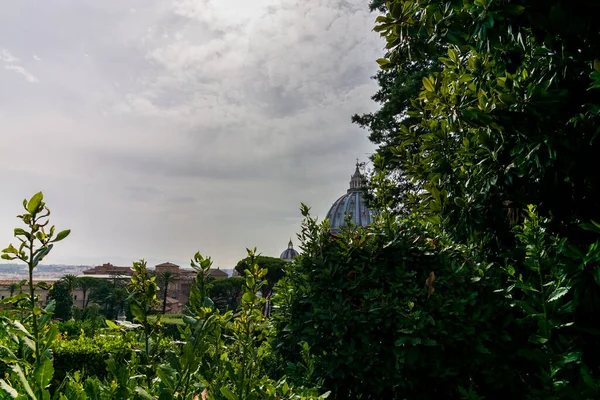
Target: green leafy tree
100 294
71 281
165 279
116 300
85 284
63 298
511 118
12 288
227 293
111 295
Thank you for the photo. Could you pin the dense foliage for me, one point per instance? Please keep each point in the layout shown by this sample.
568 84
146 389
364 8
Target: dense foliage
398 311
510 120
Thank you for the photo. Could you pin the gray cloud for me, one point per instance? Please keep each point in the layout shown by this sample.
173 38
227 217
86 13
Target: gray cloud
159 128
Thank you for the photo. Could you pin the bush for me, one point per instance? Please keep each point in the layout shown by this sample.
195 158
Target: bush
88 354
392 312
379 310
77 313
72 329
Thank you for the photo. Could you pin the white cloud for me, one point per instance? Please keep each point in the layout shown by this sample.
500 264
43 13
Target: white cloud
20 70
7 57
11 63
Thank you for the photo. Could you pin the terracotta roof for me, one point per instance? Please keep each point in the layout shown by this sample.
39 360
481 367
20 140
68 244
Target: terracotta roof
168 264
217 273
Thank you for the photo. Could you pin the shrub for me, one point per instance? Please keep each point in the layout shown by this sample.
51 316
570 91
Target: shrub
72 329
77 313
390 311
382 310
88 354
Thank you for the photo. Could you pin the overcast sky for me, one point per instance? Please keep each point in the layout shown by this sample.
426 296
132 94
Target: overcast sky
158 128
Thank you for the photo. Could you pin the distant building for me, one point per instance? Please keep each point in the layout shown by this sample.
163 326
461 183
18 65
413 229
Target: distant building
5 289
168 266
351 205
290 253
109 269
181 283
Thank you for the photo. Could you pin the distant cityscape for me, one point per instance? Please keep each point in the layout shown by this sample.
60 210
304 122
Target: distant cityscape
13 271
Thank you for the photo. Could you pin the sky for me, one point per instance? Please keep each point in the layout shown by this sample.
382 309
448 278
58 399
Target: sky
159 128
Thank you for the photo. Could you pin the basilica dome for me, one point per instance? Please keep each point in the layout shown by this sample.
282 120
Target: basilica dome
290 253
351 204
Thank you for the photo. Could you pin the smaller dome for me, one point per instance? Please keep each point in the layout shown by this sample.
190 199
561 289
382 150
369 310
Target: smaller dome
289 254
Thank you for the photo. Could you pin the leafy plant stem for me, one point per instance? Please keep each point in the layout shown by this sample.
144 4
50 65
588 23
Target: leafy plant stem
32 298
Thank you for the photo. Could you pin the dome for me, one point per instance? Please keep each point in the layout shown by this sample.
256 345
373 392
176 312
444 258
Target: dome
289 254
351 204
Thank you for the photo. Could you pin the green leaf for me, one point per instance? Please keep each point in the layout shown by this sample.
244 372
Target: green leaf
44 372
285 388
459 202
8 389
143 394
570 358
22 232
18 325
482 349
453 55
384 63
225 391
40 235
208 303
34 202
597 65
11 250
41 253
428 84
111 324
61 235
248 297
538 339
137 311
558 293
17 369
590 227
